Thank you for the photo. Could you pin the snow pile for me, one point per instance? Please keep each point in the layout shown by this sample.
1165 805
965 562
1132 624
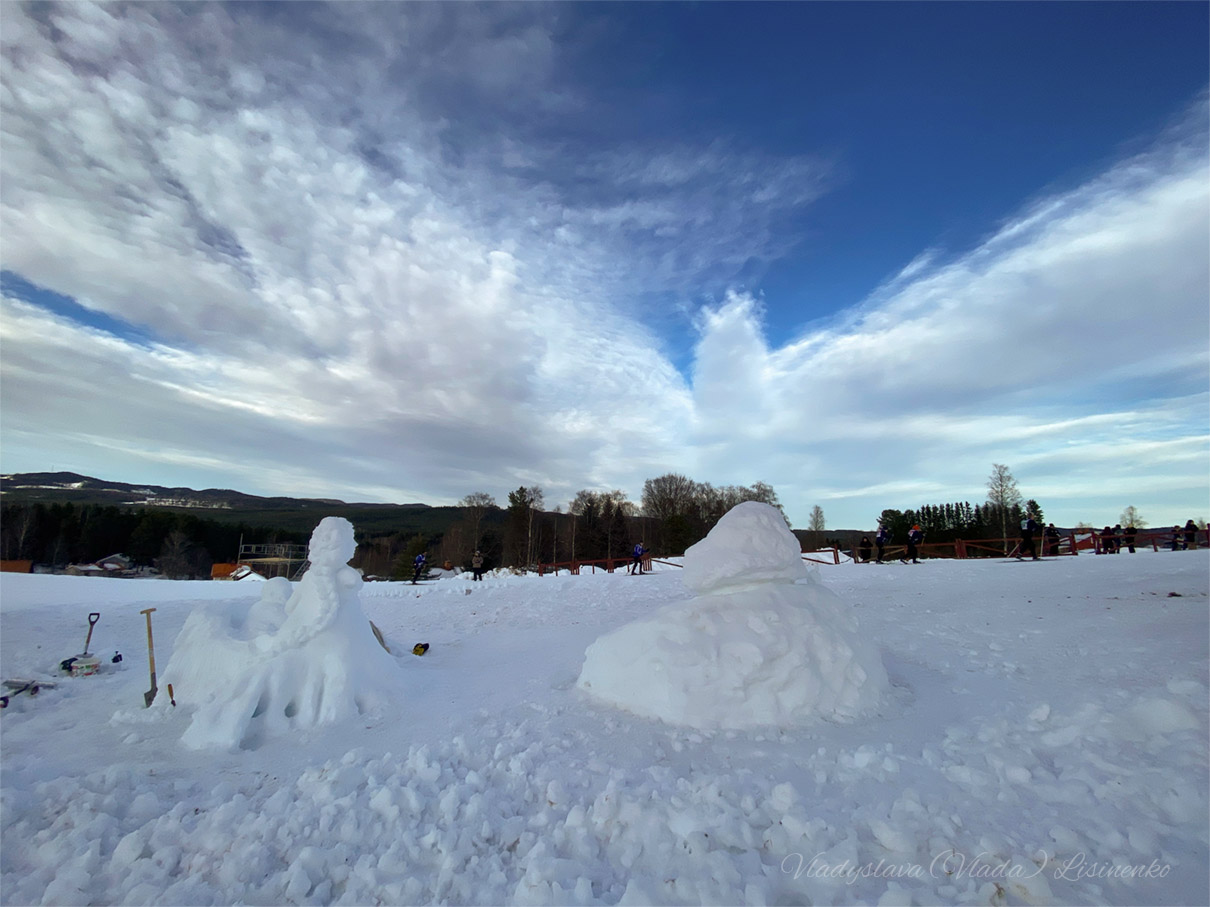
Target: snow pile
763 643
301 656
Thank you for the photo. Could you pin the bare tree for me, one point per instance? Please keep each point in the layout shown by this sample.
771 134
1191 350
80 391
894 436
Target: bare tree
581 502
1130 517
180 558
667 496
17 540
535 505
816 523
476 505
1002 492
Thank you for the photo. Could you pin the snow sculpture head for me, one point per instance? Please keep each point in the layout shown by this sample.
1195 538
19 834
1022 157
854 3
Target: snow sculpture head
276 591
760 644
751 544
332 543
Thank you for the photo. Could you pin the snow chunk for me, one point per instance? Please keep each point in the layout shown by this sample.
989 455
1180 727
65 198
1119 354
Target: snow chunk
762 644
1155 716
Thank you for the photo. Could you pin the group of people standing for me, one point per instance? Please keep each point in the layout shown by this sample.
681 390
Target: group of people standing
1113 539
1110 540
882 538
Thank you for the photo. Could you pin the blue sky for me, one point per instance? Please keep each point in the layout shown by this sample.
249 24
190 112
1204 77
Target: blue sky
404 252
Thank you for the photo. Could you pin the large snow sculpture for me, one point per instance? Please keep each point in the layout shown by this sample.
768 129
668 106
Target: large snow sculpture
763 643
304 655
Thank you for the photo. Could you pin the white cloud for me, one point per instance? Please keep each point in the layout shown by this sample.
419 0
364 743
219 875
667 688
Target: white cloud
1085 323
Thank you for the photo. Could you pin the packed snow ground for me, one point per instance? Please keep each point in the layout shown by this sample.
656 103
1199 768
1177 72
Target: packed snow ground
1045 740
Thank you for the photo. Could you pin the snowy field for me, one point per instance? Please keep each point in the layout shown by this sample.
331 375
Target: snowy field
1044 741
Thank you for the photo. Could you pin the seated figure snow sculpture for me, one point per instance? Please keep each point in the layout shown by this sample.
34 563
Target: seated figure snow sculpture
763 643
304 655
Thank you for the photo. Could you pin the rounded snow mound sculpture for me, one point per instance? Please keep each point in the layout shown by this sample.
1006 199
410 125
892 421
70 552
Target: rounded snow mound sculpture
763 643
302 656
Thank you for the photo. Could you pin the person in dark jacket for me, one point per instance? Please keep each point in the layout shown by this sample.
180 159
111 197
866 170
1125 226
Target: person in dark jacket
1052 541
1176 538
418 567
1027 546
881 537
863 549
915 537
1129 536
1190 535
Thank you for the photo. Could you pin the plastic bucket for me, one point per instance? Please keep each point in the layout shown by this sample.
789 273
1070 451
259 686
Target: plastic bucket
85 666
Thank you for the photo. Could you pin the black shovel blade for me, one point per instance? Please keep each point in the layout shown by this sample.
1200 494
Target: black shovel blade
149 696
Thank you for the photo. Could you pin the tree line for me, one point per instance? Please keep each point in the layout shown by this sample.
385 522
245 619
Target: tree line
180 545
960 520
673 513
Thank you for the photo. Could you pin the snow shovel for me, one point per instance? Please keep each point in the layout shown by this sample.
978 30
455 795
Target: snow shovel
84 665
149 696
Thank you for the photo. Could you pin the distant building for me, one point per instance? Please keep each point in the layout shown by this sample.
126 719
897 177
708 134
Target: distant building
234 572
113 565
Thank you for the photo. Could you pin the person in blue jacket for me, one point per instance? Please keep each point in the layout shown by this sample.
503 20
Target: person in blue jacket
636 565
418 567
915 537
881 538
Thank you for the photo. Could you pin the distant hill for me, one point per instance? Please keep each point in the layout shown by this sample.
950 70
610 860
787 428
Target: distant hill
223 504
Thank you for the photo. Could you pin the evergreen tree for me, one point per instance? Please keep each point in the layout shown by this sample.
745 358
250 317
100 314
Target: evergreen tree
896 523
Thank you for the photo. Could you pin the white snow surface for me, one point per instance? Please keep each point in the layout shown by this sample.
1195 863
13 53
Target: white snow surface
1044 741
764 643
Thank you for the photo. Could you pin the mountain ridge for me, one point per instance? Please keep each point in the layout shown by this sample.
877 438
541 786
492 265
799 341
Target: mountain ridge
64 486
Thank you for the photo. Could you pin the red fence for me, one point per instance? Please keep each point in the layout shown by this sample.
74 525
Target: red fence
1072 543
608 564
